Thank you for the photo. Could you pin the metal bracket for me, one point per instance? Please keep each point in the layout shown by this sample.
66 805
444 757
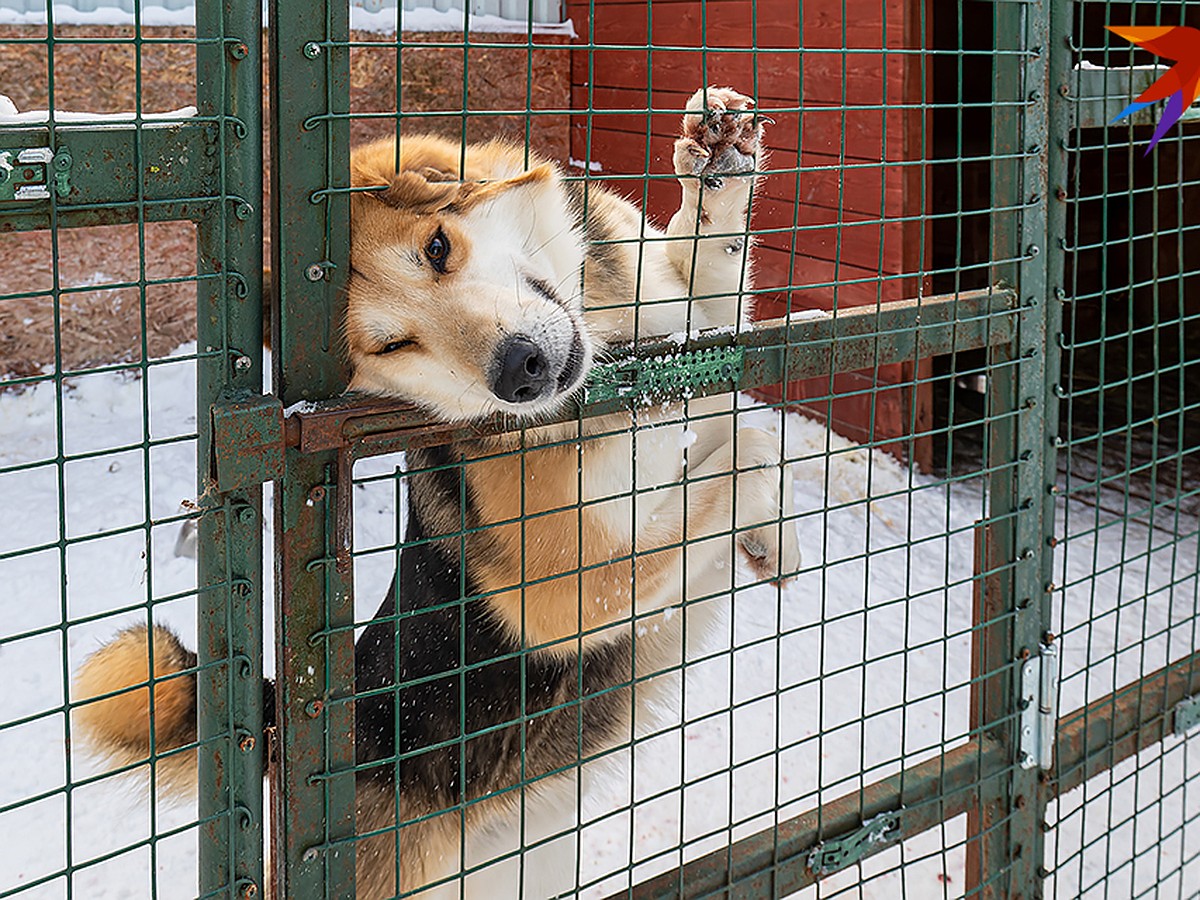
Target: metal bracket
1187 714
1039 708
667 376
830 856
27 174
247 442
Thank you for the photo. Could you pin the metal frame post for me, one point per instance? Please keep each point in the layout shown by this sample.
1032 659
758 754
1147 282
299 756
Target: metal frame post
313 787
229 577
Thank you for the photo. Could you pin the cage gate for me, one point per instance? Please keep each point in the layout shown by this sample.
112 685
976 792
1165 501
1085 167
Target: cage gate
1011 303
983 777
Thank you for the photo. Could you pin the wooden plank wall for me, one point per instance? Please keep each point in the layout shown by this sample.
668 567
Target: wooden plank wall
847 116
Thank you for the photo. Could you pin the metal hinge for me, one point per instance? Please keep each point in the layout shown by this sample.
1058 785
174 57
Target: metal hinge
1187 714
247 442
830 856
27 174
1039 708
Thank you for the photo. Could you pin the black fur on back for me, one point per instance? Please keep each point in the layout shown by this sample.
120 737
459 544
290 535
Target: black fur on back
469 674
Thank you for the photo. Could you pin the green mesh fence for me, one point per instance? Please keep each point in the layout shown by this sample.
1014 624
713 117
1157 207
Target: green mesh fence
968 388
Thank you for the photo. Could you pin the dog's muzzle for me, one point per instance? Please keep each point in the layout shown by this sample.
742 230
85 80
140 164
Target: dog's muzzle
523 374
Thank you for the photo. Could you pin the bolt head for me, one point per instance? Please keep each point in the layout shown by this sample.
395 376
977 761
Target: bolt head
312 49
315 272
246 744
239 51
243 363
310 855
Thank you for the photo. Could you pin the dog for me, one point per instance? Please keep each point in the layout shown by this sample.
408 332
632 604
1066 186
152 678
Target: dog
547 570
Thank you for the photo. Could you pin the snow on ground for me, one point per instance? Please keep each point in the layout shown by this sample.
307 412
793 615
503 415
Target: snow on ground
856 669
365 15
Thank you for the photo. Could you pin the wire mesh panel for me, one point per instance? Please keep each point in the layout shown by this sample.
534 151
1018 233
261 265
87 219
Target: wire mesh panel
573 652
1125 574
129 202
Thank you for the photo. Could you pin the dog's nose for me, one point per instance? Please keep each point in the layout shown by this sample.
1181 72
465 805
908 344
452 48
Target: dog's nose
522 374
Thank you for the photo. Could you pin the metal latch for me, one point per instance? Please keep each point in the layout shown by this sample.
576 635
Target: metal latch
247 442
1039 708
28 174
830 856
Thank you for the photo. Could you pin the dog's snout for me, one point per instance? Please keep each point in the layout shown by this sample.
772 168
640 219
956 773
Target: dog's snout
522 373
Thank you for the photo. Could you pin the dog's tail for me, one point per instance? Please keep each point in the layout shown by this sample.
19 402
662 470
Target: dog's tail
118 725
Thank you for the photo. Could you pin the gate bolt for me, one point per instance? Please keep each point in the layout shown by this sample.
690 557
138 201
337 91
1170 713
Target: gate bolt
315 272
243 363
249 889
246 515
313 708
239 51
317 494
312 49
310 855
246 743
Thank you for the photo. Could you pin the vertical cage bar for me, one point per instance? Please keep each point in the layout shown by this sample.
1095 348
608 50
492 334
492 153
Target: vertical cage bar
229 547
1007 858
313 787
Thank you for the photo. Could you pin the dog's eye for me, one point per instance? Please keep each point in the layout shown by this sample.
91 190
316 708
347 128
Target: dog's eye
437 250
393 346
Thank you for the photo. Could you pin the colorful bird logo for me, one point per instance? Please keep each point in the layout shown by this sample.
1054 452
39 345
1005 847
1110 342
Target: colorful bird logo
1180 84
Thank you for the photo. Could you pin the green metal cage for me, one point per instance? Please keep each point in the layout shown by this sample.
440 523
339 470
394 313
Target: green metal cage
973 343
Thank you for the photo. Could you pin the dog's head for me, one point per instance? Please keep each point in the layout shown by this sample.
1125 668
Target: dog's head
464 294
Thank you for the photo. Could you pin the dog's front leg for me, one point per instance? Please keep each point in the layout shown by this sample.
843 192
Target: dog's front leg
716 159
739 495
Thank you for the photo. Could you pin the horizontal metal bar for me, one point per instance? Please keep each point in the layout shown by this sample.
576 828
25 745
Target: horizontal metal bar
1096 737
1101 94
173 163
777 350
774 862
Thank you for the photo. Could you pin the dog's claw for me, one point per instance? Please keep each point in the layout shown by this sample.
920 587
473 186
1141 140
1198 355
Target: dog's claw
721 135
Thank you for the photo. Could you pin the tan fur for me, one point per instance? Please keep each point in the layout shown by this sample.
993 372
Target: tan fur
119 726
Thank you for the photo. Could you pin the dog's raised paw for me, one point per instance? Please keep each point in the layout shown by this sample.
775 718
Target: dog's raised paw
721 136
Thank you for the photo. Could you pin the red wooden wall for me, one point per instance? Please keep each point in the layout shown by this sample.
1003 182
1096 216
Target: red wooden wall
847 117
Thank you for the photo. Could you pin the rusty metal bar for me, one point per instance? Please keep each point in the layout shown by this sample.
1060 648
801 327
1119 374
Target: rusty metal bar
990 641
1096 737
774 862
777 350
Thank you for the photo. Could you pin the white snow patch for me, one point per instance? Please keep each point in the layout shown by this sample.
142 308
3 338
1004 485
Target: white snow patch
9 115
380 21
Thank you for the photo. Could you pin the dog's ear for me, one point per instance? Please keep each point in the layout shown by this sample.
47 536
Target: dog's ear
429 189
473 194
